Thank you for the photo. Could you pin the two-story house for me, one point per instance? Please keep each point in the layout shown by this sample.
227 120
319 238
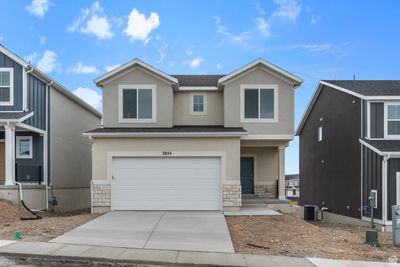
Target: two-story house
191 142
350 145
41 142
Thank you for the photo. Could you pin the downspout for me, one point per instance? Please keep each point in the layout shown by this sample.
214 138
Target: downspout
45 149
384 191
25 89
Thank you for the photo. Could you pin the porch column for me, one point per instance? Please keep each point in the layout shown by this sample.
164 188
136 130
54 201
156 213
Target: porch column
281 171
9 154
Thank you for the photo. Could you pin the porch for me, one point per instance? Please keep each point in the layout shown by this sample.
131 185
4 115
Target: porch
21 155
262 171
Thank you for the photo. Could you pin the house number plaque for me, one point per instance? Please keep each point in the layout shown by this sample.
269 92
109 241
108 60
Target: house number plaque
166 153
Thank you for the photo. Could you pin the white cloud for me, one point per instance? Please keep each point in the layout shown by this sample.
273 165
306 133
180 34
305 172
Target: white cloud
79 68
236 38
139 27
262 26
42 39
289 9
313 48
48 62
38 8
92 21
31 58
195 63
314 19
162 51
90 96
111 67
260 10
219 66
1 37
189 52
99 26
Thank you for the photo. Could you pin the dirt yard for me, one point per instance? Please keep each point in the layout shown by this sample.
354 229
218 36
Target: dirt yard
287 234
50 226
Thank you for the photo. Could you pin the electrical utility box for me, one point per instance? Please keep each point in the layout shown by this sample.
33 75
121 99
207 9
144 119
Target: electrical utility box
396 225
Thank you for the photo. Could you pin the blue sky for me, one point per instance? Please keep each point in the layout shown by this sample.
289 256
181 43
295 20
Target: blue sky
76 41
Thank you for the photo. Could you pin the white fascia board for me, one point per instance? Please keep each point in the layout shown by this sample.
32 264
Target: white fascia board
198 88
268 137
13 56
155 134
100 80
309 108
31 128
343 90
377 151
266 64
27 116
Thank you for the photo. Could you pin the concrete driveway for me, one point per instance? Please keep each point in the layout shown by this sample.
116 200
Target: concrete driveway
172 230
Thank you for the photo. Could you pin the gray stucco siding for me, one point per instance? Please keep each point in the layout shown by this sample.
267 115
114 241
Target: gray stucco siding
376 120
36 102
6 62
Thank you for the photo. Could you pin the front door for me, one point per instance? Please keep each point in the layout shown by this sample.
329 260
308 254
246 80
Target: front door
247 175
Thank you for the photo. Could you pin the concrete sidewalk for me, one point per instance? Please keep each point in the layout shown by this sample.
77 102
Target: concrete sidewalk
56 251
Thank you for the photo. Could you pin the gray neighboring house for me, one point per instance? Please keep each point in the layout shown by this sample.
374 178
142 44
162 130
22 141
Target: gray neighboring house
292 186
41 142
191 142
350 145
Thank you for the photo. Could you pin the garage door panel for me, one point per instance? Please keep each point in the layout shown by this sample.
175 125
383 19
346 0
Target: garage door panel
166 184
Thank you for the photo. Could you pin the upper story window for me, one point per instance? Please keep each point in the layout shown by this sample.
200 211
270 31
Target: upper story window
137 103
198 104
6 86
393 120
24 148
259 103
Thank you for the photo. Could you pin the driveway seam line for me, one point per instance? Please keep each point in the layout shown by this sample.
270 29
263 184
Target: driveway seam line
155 227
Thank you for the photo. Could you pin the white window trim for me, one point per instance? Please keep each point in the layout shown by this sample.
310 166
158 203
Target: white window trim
204 112
17 153
137 86
397 188
320 134
385 120
11 102
259 86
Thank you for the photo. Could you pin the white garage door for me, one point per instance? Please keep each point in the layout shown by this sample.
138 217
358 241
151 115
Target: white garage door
166 184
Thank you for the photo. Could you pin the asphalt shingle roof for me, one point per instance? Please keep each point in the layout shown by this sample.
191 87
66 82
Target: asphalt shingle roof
198 80
13 115
384 145
370 87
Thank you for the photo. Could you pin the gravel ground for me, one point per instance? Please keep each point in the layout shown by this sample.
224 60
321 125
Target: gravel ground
50 226
289 235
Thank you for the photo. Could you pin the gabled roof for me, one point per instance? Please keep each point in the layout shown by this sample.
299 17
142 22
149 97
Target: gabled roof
363 89
198 80
369 87
105 77
268 65
49 80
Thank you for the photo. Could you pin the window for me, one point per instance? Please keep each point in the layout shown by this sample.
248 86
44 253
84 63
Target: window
198 104
6 86
393 120
320 134
24 147
137 103
259 103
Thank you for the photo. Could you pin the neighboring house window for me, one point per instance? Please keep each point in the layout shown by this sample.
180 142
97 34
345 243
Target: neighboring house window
259 103
198 104
320 134
24 147
137 103
6 86
393 120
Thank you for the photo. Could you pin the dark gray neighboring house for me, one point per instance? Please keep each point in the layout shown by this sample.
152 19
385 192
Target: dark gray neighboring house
350 145
41 142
